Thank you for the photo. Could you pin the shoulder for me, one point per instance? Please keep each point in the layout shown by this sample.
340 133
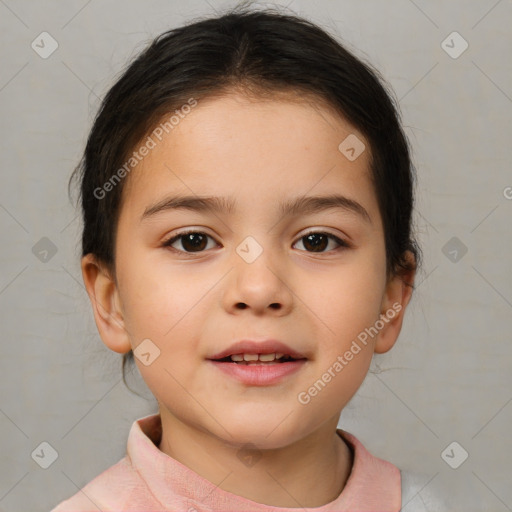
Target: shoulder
108 489
121 486
414 489
418 495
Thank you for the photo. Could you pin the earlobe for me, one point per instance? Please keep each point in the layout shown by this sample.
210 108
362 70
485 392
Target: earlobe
397 295
106 305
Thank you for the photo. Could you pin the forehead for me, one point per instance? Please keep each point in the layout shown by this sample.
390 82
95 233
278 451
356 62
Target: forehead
255 149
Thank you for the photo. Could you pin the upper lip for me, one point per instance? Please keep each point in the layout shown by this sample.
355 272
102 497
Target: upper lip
258 347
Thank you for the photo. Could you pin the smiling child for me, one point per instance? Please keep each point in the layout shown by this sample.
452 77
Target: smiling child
247 194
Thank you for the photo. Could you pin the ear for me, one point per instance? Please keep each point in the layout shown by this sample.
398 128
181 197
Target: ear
396 297
106 305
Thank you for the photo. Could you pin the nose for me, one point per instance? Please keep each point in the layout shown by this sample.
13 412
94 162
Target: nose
260 286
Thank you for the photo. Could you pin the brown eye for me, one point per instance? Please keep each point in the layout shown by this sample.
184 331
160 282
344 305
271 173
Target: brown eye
318 241
191 241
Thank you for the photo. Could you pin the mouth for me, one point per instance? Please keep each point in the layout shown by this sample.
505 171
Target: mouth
258 359
264 351
261 363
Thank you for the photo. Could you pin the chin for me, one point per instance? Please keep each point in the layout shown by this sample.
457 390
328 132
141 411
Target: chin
266 432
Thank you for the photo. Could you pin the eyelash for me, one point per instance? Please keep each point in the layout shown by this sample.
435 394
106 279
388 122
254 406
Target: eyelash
168 243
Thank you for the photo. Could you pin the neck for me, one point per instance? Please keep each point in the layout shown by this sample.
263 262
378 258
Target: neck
308 473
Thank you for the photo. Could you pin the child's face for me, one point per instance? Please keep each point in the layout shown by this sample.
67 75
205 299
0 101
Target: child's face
193 305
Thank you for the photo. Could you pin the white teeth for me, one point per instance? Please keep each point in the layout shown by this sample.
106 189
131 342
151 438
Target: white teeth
255 357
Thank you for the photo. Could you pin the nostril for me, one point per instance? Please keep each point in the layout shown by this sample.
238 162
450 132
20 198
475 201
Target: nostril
243 305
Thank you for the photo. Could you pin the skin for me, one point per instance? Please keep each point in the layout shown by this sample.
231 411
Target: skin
259 152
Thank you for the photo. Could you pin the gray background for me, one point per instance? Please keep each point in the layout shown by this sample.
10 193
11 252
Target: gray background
449 376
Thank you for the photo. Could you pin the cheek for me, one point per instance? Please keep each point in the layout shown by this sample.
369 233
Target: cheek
346 301
168 306
174 326
332 389
154 300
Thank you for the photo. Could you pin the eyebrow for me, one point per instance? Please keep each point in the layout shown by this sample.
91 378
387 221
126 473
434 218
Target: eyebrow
295 206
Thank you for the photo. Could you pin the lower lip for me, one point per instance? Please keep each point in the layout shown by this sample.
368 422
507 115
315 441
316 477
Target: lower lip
259 374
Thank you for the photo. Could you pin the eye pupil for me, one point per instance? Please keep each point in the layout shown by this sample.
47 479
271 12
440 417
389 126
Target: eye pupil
319 245
199 243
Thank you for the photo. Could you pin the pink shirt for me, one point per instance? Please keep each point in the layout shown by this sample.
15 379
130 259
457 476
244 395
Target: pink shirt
147 479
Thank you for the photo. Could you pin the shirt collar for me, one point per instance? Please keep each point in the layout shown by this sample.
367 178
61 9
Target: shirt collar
373 484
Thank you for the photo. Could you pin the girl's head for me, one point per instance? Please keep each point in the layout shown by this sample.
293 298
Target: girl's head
263 111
